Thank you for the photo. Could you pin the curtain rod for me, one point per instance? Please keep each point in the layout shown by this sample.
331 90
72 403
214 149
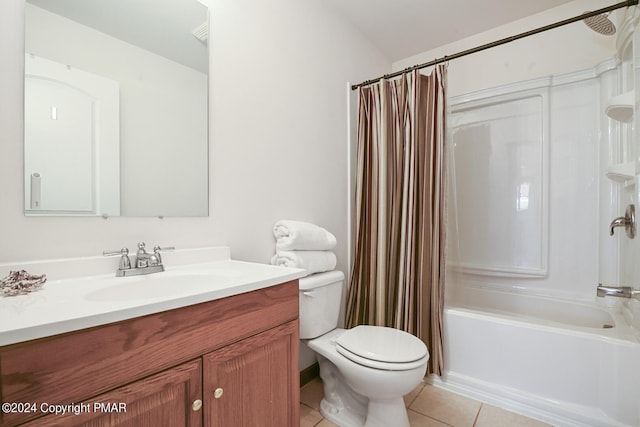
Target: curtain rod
445 58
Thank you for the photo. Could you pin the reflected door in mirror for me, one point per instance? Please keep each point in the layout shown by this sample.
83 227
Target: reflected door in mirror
71 141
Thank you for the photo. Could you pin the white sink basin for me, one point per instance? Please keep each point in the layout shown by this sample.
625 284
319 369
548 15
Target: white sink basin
159 285
93 296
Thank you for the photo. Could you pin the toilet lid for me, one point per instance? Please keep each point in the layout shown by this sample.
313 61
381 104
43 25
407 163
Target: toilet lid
381 344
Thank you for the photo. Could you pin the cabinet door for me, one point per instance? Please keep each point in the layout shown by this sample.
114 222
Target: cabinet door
254 382
171 398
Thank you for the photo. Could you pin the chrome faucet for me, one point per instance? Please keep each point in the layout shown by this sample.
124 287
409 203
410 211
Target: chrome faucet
618 291
145 262
628 221
143 258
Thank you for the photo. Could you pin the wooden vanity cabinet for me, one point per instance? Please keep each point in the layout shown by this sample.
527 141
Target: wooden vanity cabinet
244 383
229 362
164 399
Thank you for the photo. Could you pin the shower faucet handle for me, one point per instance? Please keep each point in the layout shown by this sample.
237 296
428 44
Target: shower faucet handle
628 221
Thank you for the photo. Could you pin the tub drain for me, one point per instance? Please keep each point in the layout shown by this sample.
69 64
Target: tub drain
605 326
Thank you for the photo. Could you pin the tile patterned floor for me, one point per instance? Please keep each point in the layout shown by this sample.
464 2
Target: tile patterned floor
427 406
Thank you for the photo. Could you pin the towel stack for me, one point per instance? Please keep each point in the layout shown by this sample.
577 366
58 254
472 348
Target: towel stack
304 245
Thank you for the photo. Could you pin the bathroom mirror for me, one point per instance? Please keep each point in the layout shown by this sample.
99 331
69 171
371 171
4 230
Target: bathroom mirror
116 108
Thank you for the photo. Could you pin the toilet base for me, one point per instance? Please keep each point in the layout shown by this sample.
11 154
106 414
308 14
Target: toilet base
346 408
340 416
340 405
384 413
379 414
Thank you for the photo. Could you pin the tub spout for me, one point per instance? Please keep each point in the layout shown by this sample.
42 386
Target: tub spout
617 291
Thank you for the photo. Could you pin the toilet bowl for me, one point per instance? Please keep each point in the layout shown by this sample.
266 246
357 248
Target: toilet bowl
365 370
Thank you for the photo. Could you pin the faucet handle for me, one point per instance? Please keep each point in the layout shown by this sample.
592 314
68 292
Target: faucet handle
628 221
125 263
165 249
115 253
158 249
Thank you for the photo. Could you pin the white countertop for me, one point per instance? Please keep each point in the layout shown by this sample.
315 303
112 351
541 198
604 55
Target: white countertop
74 303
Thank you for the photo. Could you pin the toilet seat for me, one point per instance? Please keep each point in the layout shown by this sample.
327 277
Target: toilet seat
380 347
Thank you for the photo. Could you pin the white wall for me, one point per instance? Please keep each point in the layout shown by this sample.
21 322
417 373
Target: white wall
278 128
561 50
280 119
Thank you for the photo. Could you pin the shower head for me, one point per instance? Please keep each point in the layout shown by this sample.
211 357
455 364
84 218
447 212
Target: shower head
601 24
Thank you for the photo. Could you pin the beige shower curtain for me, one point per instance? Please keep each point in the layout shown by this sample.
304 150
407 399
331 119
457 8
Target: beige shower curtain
398 272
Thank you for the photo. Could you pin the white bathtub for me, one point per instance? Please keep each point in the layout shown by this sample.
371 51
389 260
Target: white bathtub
548 359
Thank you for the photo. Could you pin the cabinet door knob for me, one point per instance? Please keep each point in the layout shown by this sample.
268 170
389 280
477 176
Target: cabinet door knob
196 405
217 393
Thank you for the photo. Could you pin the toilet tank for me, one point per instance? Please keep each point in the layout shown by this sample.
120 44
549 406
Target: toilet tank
320 301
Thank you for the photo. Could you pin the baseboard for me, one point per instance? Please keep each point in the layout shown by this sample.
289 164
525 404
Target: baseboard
309 374
556 413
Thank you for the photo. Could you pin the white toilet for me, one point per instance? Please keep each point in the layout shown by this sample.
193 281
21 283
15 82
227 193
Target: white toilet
365 370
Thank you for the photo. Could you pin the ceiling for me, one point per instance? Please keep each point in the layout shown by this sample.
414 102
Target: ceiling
163 27
399 28
402 28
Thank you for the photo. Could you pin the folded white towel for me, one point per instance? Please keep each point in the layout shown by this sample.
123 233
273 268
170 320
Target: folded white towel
312 261
298 235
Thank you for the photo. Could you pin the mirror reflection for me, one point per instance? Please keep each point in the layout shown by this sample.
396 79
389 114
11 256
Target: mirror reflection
116 108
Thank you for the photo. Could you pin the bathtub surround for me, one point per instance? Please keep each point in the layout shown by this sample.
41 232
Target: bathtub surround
565 259
498 152
575 266
509 317
398 272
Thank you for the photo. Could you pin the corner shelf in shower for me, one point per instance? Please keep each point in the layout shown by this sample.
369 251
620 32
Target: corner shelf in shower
622 172
620 107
